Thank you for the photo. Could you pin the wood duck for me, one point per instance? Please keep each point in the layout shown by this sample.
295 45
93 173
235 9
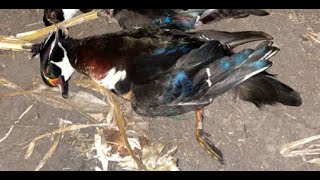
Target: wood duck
169 72
184 19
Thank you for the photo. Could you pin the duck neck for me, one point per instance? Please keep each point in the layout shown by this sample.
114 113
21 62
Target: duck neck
91 56
74 49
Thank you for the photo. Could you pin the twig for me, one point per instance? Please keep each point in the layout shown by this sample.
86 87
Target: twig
58 131
35 94
314 37
289 147
23 41
49 153
11 128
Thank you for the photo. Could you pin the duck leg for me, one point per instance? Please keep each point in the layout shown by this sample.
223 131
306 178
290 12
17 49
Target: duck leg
202 138
64 30
107 14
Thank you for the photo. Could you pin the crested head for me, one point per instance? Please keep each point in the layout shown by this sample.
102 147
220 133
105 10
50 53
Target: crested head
55 67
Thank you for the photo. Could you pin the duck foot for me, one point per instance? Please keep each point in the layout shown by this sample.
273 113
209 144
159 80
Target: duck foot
202 138
64 30
107 14
104 12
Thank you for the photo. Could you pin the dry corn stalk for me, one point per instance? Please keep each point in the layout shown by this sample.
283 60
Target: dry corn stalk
118 115
290 149
23 41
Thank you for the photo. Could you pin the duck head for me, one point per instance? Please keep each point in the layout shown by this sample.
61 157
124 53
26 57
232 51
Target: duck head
55 68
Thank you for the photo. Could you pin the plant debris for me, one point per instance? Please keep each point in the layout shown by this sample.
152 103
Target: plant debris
306 148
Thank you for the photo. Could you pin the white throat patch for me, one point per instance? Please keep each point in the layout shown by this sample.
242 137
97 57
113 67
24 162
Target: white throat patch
64 65
52 45
69 13
112 77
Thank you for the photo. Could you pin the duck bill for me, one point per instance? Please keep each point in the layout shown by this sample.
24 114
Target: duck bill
62 84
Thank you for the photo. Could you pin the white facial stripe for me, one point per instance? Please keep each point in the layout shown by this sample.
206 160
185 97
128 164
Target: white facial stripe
48 38
69 13
45 76
112 77
64 65
52 46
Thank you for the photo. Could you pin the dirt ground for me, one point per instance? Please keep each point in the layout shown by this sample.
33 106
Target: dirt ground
250 139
